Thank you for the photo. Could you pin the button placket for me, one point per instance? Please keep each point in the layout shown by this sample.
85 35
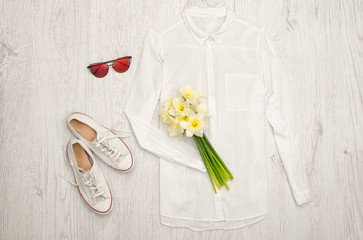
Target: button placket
213 113
218 205
211 90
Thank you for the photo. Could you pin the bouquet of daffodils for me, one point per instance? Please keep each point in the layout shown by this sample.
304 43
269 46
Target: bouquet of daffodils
186 113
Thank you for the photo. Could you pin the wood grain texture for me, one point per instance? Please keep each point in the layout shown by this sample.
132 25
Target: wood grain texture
45 47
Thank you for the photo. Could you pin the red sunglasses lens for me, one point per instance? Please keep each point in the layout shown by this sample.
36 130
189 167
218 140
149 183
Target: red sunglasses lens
99 69
122 64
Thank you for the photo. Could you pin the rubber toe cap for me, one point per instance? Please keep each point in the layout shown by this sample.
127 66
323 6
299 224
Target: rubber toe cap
126 163
104 206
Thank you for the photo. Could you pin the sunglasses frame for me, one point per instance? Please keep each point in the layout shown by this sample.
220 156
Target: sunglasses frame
107 63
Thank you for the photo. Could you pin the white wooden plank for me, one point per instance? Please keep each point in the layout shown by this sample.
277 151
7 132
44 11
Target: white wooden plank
44 49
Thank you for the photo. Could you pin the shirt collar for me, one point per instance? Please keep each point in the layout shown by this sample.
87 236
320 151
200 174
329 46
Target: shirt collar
200 35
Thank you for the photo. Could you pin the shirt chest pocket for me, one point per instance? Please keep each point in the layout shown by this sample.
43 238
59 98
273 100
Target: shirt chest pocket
243 92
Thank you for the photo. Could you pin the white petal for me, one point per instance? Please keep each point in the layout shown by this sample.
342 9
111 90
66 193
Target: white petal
189 133
199 133
183 124
200 116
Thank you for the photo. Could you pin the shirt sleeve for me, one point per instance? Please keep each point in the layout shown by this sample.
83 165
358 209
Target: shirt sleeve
279 114
143 99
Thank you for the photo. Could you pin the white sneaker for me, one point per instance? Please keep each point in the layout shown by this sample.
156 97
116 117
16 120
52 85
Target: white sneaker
89 179
104 143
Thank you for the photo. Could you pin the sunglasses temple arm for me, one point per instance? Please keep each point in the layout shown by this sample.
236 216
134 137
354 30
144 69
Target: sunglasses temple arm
130 57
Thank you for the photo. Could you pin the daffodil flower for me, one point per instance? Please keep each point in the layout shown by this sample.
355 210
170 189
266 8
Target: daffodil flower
168 104
189 94
194 125
165 116
175 129
181 107
186 114
202 108
182 118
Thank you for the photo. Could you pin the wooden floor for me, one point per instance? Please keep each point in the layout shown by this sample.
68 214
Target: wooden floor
45 47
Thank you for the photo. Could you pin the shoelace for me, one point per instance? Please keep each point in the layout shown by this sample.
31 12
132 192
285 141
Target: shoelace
89 180
93 186
102 144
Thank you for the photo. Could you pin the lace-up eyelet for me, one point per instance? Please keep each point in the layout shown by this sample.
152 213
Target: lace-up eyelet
104 147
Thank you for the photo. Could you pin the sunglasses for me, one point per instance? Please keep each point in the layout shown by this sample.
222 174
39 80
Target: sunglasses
101 69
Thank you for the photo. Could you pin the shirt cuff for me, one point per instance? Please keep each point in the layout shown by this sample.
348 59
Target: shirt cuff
302 197
201 167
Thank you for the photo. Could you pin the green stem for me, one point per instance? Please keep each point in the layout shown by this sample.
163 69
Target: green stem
217 169
216 154
208 161
223 174
223 171
205 163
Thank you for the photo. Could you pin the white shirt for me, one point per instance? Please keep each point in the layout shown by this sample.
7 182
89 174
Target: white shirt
230 60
